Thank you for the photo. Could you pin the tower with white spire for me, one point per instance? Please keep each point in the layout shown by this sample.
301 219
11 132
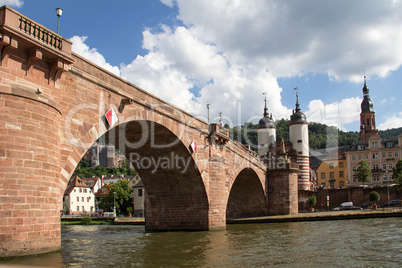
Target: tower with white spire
266 132
298 134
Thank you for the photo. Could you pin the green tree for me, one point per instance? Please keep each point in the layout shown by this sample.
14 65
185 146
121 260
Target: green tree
397 174
312 200
363 172
374 196
123 198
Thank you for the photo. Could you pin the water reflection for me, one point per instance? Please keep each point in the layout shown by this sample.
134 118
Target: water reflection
348 243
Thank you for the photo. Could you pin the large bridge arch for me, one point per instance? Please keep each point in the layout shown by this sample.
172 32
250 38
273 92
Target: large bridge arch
247 197
177 198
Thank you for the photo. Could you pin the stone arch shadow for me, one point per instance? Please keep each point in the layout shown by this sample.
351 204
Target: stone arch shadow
176 198
247 196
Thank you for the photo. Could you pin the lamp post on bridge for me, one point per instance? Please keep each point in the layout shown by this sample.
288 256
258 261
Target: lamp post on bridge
59 12
208 112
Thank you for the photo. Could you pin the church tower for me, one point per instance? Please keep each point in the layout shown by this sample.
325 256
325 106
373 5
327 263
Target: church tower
367 116
298 134
266 132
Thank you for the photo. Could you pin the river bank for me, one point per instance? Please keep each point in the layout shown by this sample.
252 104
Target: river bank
300 217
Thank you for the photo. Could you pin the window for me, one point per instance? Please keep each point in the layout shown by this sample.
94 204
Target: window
331 175
390 177
299 141
340 174
332 184
83 209
390 166
374 144
384 166
354 179
384 178
78 198
375 155
341 164
376 178
80 190
82 199
354 168
383 155
366 156
331 165
88 198
396 154
139 192
85 190
375 166
353 157
359 157
78 208
322 175
74 190
389 154
341 184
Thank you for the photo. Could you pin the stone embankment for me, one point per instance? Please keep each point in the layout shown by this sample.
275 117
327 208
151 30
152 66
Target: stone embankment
313 216
322 216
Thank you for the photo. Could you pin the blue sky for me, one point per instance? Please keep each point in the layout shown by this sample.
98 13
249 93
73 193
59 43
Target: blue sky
228 52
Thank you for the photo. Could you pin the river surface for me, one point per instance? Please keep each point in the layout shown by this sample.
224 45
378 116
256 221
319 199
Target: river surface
342 243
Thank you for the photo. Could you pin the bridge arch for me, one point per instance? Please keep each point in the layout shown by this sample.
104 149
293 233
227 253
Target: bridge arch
247 196
176 194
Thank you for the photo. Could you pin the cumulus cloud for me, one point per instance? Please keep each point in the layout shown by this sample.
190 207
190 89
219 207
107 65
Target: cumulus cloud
293 37
14 3
336 113
92 54
394 121
178 64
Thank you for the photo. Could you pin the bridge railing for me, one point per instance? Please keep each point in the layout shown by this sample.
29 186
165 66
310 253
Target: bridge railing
40 33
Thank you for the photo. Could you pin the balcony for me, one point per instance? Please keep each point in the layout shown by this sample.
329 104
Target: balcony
20 32
376 171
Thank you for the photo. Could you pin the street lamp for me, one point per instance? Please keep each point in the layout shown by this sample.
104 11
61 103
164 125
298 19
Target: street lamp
387 185
114 203
59 12
208 112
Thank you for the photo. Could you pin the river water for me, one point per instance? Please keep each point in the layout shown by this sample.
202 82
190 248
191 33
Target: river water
343 243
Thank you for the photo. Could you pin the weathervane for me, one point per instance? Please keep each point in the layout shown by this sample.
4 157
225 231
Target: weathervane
297 91
265 93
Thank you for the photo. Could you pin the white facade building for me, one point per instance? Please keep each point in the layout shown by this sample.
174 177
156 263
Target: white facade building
78 198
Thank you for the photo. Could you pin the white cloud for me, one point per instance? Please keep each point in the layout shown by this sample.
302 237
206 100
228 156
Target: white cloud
92 54
394 121
179 63
294 37
15 3
337 113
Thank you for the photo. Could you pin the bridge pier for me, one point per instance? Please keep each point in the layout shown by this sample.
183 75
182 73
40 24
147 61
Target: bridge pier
30 189
282 189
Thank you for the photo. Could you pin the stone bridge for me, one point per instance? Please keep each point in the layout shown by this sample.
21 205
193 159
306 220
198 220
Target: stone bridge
53 104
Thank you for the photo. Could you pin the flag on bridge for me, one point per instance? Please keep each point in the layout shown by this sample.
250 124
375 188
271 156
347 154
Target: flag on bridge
111 117
193 146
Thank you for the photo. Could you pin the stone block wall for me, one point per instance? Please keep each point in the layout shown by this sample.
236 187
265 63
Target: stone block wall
282 191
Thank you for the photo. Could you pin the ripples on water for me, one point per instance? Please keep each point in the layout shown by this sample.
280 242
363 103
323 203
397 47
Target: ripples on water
347 243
